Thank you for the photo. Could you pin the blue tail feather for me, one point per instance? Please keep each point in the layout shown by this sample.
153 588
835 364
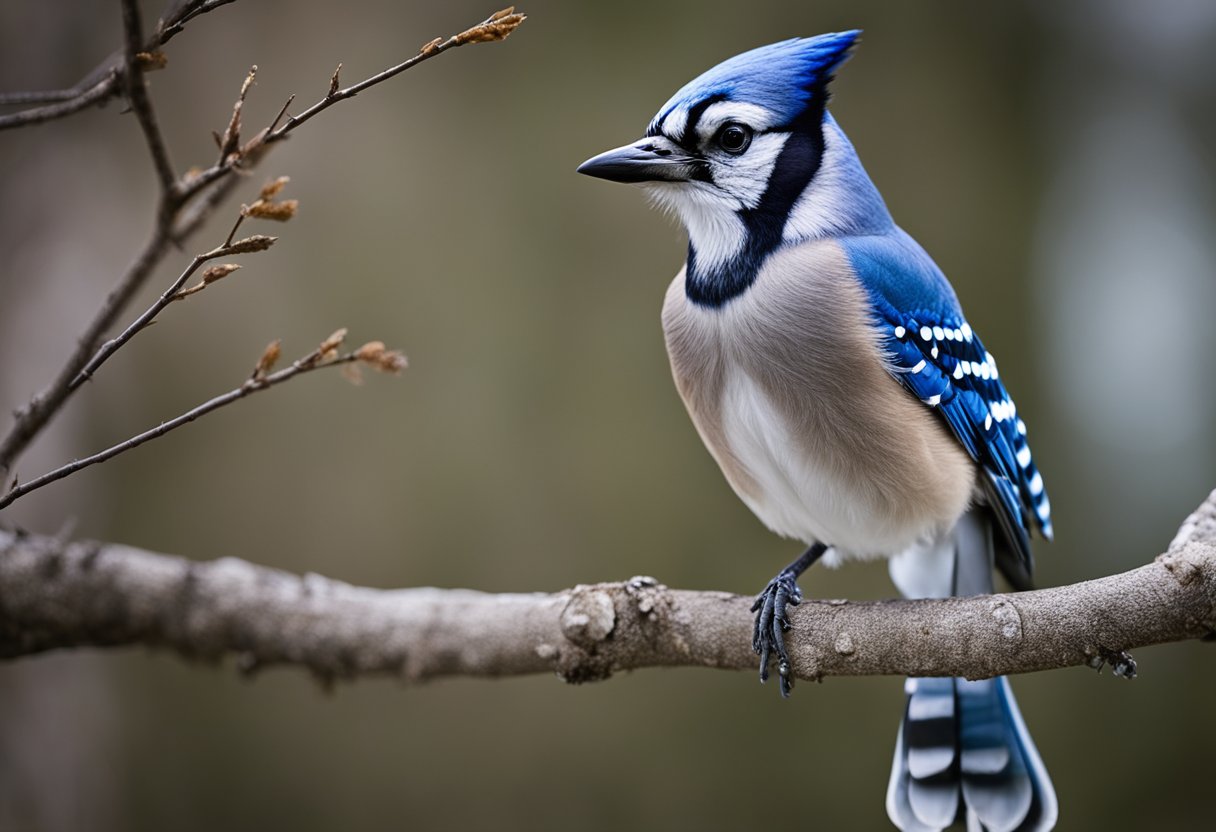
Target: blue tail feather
963 754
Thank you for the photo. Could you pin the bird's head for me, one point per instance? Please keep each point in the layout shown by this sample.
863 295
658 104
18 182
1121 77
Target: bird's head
740 142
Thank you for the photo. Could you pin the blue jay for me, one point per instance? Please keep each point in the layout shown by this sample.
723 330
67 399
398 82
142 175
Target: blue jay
826 363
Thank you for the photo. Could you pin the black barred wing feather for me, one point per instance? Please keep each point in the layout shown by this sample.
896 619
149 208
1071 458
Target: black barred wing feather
940 360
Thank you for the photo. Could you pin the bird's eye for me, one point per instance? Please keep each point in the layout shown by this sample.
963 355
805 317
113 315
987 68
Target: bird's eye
734 138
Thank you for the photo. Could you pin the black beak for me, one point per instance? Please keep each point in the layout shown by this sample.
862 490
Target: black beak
655 159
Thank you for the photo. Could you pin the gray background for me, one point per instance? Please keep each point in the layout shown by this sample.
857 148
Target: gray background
1056 159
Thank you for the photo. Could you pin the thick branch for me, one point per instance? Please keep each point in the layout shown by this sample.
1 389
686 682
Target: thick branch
55 595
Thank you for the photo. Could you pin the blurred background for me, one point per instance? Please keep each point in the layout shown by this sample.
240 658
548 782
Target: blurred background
1056 159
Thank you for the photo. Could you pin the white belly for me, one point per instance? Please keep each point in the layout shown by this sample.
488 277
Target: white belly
798 495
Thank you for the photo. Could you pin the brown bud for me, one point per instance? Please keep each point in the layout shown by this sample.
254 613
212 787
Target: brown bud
149 61
328 350
498 27
271 189
333 82
429 47
266 210
218 272
258 242
375 355
270 357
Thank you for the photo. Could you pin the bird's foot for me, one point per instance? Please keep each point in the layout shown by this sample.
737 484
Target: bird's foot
772 622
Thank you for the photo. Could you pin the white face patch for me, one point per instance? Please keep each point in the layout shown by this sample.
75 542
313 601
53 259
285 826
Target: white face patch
745 177
709 210
714 229
674 125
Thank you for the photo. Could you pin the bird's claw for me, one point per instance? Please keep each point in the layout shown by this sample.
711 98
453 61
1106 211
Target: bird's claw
772 622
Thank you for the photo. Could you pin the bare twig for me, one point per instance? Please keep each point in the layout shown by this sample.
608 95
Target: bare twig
137 92
496 27
174 292
326 355
68 102
185 207
104 81
56 595
185 13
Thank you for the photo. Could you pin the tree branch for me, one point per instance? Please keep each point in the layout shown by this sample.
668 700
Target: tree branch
104 81
188 203
137 92
55 595
326 355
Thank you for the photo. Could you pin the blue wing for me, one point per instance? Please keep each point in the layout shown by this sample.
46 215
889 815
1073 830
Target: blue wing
933 352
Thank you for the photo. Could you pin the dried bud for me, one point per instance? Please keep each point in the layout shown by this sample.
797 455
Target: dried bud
498 27
333 82
328 350
271 189
280 211
429 47
230 142
218 272
371 351
149 61
270 357
258 242
375 355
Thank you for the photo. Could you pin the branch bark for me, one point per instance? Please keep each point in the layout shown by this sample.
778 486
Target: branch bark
56 595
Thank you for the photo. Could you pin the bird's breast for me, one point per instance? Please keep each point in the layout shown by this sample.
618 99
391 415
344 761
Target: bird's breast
787 388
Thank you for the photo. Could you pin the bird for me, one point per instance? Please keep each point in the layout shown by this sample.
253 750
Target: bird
827 365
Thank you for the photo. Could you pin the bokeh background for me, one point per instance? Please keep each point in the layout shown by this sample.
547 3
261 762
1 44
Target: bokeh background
1055 158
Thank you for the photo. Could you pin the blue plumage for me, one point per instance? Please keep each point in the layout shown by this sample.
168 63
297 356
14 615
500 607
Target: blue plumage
782 77
934 353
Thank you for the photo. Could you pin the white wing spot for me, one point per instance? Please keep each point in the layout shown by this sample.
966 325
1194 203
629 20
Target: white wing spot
938 334
958 370
988 422
900 332
934 352
926 333
966 330
1021 427
1024 456
1036 484
919 366
933 401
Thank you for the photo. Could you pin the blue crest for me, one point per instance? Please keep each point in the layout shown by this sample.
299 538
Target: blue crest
781 77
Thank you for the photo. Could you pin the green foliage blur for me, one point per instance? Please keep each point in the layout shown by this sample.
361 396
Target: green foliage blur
1056 159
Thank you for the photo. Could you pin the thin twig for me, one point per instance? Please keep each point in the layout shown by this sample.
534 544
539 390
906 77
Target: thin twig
497 26
103 82
70 101
324 356
187 12
137 92
183 211
248 245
